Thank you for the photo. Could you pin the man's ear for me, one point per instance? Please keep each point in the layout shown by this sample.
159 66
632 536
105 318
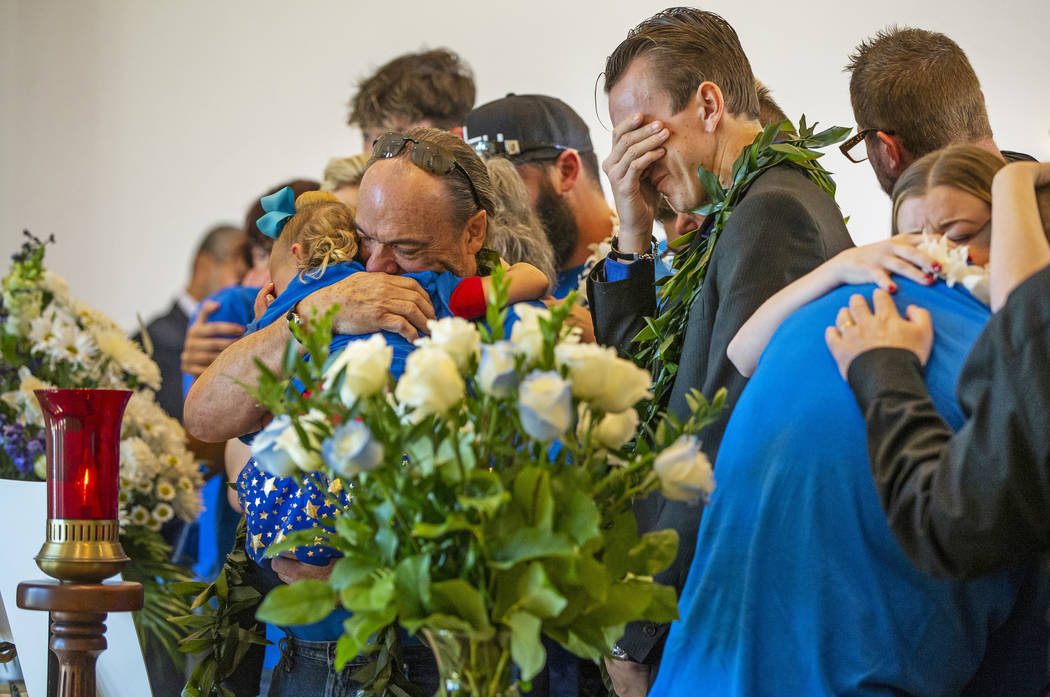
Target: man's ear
567 171
894 155
709 105
474 232
457 131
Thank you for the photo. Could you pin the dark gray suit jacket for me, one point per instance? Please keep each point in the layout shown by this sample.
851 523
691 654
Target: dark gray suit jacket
783 228
168 334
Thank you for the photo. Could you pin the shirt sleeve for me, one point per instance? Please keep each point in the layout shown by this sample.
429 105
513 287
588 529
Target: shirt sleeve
967 503
621 296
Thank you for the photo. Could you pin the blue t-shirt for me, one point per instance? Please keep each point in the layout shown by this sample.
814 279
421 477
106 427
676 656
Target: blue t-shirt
236 304
567 281
798 586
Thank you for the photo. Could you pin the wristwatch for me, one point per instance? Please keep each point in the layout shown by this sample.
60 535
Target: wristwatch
293 318
617 255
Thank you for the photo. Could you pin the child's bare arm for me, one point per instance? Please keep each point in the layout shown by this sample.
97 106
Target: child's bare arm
524 282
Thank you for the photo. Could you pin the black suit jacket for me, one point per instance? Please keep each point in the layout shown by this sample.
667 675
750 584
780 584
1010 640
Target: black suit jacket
168 334
784 227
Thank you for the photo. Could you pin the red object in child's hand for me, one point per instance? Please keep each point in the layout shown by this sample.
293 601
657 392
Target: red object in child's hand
468 299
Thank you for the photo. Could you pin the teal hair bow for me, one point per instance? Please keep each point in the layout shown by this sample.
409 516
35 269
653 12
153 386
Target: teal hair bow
279 207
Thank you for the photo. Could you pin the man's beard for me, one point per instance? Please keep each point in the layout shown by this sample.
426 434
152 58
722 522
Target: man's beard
881 170
559 223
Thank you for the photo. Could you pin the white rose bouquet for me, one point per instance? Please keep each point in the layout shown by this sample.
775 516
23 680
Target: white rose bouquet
491 489
50 339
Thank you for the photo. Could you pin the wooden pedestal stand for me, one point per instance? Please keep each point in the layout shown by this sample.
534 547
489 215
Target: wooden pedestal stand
77 630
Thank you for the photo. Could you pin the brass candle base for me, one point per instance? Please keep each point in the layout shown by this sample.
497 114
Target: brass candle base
81 551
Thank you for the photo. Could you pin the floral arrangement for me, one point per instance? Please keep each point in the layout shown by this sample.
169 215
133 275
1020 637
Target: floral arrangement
955 265
483 498
50 339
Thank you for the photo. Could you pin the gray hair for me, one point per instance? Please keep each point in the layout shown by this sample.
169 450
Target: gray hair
514 230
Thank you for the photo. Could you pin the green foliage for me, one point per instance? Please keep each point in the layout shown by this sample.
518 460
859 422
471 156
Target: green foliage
220 621
151 567
659 345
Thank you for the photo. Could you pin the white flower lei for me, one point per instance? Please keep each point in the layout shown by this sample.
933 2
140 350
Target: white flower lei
955 265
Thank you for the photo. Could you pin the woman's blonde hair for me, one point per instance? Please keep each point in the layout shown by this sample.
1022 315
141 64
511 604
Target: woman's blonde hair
344 171
324 228
964 167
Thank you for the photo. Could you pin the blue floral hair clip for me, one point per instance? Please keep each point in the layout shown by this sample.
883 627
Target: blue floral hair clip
279 207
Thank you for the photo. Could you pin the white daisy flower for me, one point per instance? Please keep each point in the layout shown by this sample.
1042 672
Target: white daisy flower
139 515
165 491
163 512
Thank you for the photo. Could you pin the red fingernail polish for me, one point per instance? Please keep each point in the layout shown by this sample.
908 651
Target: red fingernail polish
929 278
893 287
936 267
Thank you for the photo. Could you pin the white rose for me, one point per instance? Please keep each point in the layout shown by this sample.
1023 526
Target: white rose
684 471
307 457
497 371
431 383
588 366
367 366
625 385
602 378
352 449
545 405
613 431
526 334
455 336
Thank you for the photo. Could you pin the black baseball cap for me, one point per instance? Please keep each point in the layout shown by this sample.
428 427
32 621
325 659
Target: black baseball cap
524 127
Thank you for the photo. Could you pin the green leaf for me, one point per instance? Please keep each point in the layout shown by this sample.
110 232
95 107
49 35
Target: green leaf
353 531
298 538
373 596
529 543
358 629
537 594
711 185
532 494
454 523
412 585
483 492
304 602
654 552
664 605
349 571
459 599
581 520
619 539
526 649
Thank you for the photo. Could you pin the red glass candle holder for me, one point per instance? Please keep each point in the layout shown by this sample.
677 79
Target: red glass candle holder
83 479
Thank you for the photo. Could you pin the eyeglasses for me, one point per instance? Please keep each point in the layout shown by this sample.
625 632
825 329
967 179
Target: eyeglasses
861 135
424 154
514 149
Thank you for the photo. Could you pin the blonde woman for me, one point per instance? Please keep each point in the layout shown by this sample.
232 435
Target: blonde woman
968 503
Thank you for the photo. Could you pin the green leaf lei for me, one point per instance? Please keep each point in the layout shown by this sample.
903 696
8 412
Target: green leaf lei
659 345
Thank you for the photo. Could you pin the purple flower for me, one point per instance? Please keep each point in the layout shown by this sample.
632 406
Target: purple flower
20 446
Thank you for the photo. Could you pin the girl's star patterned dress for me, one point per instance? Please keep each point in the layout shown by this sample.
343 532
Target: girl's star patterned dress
276 506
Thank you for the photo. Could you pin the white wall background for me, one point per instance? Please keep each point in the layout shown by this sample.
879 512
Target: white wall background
128 127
